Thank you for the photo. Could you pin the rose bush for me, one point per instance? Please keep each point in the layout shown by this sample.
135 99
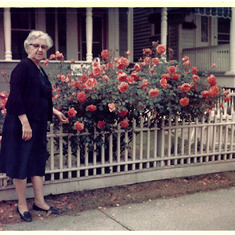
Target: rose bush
112 91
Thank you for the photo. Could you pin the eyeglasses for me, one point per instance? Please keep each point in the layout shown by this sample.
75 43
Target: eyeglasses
36 46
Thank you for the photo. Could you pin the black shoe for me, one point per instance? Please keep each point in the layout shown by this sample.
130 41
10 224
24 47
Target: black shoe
51 210
26 216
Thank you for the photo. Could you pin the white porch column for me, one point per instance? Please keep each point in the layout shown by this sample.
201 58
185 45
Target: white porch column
72 34
130 33
164 27
113 31
232 45
89 29
7 33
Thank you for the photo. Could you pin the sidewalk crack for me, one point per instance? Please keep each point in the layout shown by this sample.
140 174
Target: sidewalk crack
111 217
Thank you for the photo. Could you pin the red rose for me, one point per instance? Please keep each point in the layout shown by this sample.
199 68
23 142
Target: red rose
91 108
184 101
147 51
95 64
81 96
131 80
205 94
59 76
185 87
123 113
79 126
3 95
59 56
52 56
111 107
83 78
134 75
154 93
146 60
105 78
144 84
164 83
193 86
55 97
110 65
122 63
124 123
123 87
212 80
226 92
155 61
186 58
187 63
171 69
46 62
166 76
100 124
194 70
214 90
4 111
195 78
97 71
160 49
122 77
91 83
105 54
128 53
137 67
72 112
3 103
175 76
3 73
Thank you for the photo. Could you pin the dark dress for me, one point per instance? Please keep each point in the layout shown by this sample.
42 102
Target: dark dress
30 94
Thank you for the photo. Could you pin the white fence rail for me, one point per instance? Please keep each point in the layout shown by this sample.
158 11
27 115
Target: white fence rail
204 57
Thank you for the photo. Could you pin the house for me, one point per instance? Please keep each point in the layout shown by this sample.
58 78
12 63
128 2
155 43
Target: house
203 34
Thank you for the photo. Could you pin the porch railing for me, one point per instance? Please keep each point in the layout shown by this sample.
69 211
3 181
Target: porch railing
177 149
204 57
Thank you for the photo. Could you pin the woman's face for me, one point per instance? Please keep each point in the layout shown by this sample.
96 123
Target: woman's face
37 50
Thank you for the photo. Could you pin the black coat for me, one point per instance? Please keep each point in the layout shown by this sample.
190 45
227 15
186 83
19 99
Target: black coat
26 93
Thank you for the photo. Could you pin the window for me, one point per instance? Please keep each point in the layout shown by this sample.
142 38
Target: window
56 28
22 22
123 24
223 31
204 29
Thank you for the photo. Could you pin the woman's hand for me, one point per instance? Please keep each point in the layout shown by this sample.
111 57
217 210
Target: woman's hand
26 128
60 116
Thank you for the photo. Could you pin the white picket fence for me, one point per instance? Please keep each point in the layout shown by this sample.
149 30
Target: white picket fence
177 149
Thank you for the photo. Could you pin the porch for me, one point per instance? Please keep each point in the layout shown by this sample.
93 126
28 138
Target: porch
205 57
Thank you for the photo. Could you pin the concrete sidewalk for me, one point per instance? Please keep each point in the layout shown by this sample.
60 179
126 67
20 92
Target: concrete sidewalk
214 210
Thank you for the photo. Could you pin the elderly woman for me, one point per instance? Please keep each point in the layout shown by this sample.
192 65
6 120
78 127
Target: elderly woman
29 107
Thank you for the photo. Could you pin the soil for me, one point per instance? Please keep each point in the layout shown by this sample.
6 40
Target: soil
70 203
